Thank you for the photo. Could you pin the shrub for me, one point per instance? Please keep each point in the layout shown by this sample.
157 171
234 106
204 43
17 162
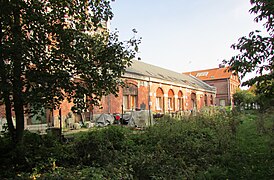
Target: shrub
36 153
177 149
103 146
220 145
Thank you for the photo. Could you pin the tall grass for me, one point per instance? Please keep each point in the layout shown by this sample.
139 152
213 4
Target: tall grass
220 145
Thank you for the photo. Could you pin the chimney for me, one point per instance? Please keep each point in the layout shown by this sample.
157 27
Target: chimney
221 65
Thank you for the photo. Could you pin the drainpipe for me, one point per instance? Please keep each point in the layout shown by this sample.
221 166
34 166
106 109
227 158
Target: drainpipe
122 106
164 106
228 92
60 116
149 113
52 117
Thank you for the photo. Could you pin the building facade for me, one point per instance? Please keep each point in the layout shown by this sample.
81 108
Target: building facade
147 87
225 81
159 90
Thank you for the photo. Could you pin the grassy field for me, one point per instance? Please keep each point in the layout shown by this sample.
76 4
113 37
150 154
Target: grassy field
223 145
253 156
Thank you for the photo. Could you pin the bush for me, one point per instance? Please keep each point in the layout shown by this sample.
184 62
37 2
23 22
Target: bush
35 154
103 146
220 145
177 149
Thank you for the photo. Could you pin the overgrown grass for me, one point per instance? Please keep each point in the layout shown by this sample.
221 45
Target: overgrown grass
253 155
223 145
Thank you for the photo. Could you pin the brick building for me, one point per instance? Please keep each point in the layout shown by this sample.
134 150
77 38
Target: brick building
157 89
148 87
226 83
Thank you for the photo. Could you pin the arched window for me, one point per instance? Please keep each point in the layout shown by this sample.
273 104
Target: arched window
171 100
205 100
180 101
193 101
159 104
130 94
211 100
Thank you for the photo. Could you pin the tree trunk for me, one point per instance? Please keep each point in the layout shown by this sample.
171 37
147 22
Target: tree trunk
9 116
6 90
17 73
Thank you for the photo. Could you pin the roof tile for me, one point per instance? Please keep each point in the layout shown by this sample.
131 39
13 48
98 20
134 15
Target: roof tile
211 74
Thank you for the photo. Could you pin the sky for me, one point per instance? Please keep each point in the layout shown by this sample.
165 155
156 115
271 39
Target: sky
184 35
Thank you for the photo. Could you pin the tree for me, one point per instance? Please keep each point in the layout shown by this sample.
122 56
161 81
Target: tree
256 52
244 97
55 50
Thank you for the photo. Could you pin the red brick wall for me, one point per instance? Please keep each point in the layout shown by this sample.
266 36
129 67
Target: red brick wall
2 111
143 96
111 104
222 90
146 93
225 89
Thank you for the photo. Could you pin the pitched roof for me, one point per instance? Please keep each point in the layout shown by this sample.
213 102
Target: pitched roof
148 70
211 74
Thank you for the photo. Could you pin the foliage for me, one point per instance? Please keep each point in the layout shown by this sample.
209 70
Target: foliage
253 149
246 98
35 154
196 147
256 51
56 50
102 147
179 149
243 97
